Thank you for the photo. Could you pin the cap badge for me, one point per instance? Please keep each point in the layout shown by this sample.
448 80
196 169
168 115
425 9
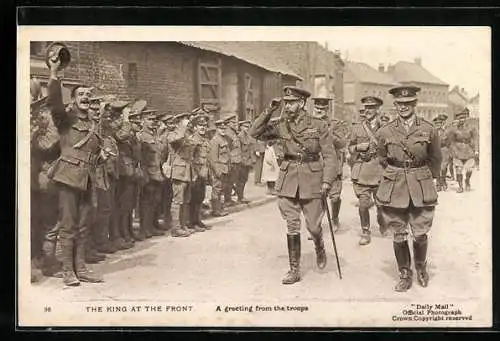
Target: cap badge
404 93
288 91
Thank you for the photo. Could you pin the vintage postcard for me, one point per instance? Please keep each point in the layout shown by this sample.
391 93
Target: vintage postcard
254 176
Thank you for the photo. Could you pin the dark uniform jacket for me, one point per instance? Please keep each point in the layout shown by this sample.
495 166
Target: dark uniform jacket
44 150
445 145
201 147
339 133
366 168
462 141
218 156
400 185
79 141
247 148
180 156
234 145
129 150
151 155
305 136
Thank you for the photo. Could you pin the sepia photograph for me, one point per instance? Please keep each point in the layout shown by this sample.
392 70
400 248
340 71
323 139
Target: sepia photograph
181 176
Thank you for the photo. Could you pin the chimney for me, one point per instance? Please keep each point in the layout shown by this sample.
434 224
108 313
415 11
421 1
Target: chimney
418 61
381 68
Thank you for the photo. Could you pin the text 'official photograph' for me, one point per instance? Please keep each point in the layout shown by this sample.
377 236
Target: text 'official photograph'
254 177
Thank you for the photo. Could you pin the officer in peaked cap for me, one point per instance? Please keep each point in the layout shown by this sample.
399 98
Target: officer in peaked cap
366 169
438 121
136 111
218 160
247 159
231 121
406 193
201 146
464 146
306 173
321 106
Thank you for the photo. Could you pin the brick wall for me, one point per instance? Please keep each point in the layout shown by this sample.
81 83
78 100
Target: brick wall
165 71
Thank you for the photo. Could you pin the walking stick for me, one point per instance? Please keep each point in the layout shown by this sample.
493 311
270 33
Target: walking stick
325 204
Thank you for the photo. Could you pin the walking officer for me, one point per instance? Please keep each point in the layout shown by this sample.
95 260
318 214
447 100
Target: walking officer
303 178
410 152
178 168
445 151
218 160
234 158
336 127
247 160
366 168
201 147
464 149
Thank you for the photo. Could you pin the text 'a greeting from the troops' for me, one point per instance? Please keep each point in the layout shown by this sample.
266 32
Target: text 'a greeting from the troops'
431 313
260 308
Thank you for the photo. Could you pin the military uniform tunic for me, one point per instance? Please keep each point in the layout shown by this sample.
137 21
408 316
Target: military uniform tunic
218 160
299 182
462 140
234 162
247 161
406 192
201 146
339 133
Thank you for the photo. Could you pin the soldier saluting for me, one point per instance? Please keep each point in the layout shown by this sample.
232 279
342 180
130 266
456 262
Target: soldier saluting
303 178
409 150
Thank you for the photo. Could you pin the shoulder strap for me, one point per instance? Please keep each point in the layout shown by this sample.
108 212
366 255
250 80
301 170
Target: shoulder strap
369 133
87 137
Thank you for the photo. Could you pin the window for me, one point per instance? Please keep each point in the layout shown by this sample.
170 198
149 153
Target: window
132 74
249 98
37 48
209 81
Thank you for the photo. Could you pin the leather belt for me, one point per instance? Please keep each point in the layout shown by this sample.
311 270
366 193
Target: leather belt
406 164
302 157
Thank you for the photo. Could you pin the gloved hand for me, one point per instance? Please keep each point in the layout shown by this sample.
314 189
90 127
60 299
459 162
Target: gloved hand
325 188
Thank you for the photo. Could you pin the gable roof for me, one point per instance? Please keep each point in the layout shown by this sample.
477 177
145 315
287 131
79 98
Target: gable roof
246 51
406 72
364 73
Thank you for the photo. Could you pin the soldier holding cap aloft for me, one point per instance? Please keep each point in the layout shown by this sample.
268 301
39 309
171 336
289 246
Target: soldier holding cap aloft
178 168
409 150
74 173
201 146
445 151
366 169
218 160
247 159
303 178
152 147
462 138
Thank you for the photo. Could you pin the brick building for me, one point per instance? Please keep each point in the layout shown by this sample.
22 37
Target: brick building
174 76
319 67
362 80
433 96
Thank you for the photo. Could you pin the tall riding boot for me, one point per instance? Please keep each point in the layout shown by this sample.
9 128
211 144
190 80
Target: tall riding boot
293 276
67 255
177 230
320 251
81 270
460 185
186 219
335 213
364 216
467 180
51 267
403 258
420 254
217 210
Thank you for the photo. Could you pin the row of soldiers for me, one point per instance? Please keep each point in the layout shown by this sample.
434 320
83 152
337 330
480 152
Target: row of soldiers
393 164
98 160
